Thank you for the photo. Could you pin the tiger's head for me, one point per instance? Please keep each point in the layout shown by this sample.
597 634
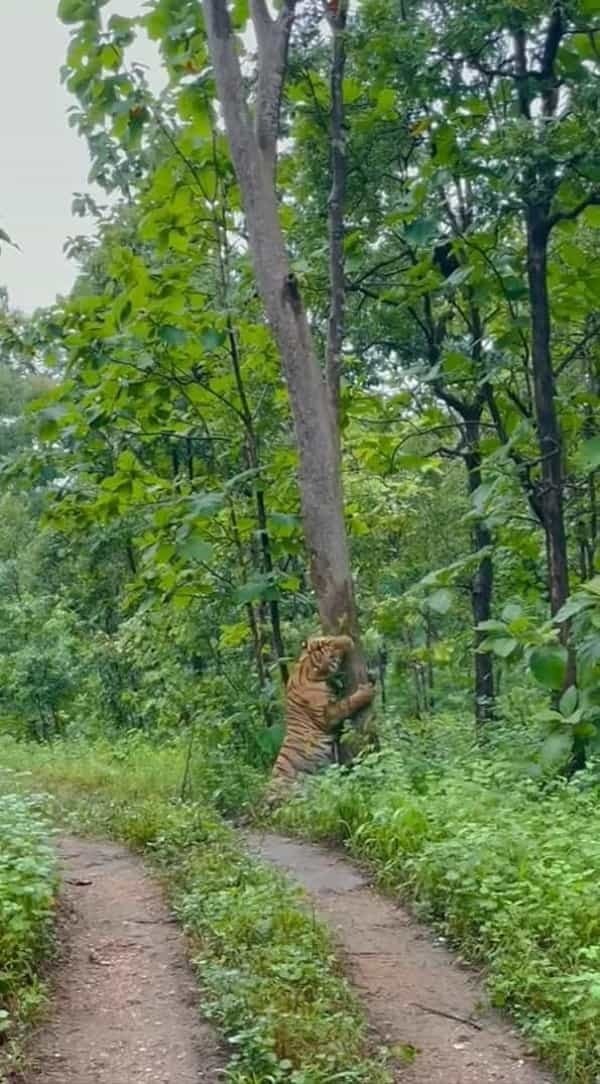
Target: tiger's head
325 653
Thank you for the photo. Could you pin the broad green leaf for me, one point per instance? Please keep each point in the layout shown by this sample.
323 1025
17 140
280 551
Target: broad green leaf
568 701
386 100
212 339
503 647
548 665
255 590
75 11
492 626
592 216
421 231
440 601
573 606
512 612
206 504
172 336
557 747
196 548
590 453
270 738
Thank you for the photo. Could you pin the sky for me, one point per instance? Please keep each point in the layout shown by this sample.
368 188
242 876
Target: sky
42 160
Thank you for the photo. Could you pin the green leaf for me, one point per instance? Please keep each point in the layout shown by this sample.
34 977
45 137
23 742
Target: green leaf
548 665
193 107
592 216
212 339
260 588
557 747
573 606
196 549
512 612
440 601
492 626
76 11
270 738
206 504
172 336
386 100
590 453
421 231
503 647
568 701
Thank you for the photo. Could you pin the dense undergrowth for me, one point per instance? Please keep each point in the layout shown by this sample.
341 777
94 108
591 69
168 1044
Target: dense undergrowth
270 979
505 860
27 897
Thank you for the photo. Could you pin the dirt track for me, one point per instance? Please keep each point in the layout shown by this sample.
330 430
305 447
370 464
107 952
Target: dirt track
417 994
125 1004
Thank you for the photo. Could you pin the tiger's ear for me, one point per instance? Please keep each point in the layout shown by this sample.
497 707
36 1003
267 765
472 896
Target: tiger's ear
304 645
314 643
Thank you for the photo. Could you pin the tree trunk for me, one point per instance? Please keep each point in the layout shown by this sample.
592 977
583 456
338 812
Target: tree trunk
259 497
337 136
482 585
549 438
253 151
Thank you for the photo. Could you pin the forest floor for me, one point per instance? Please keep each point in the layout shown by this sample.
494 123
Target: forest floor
125 1002
420 998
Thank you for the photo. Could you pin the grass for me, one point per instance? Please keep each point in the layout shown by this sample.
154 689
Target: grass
270 979
507 865
27 898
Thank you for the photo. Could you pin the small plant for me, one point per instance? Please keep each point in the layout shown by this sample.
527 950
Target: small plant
27 897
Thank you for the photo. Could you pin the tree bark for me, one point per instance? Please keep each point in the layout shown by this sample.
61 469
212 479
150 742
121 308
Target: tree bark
335 327
482 586
549 438
253 150
259 498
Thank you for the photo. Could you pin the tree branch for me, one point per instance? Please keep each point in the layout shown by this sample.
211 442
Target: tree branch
556 29
335 326
273 38
591 200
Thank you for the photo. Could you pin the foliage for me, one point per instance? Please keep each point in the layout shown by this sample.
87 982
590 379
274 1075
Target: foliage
268 972
485 852
27 896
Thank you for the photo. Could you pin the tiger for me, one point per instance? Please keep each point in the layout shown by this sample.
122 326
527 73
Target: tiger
312 713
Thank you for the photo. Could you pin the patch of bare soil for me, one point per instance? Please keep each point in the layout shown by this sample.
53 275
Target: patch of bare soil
124 1000
417 994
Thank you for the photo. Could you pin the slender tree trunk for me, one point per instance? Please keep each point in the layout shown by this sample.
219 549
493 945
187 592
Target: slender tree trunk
549 438
253 150
253 624
337 140
430 668
261 512
482 586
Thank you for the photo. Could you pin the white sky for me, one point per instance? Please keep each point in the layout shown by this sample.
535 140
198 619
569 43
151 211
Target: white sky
42 160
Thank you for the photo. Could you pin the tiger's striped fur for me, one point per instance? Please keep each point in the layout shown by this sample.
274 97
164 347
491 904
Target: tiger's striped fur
312 713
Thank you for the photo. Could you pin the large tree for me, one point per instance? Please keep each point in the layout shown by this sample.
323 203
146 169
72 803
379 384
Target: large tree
253 137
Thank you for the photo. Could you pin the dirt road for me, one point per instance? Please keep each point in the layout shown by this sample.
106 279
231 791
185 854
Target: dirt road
125 1005
417 994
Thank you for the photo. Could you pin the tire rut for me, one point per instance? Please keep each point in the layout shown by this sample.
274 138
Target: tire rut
125 1003
418 996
